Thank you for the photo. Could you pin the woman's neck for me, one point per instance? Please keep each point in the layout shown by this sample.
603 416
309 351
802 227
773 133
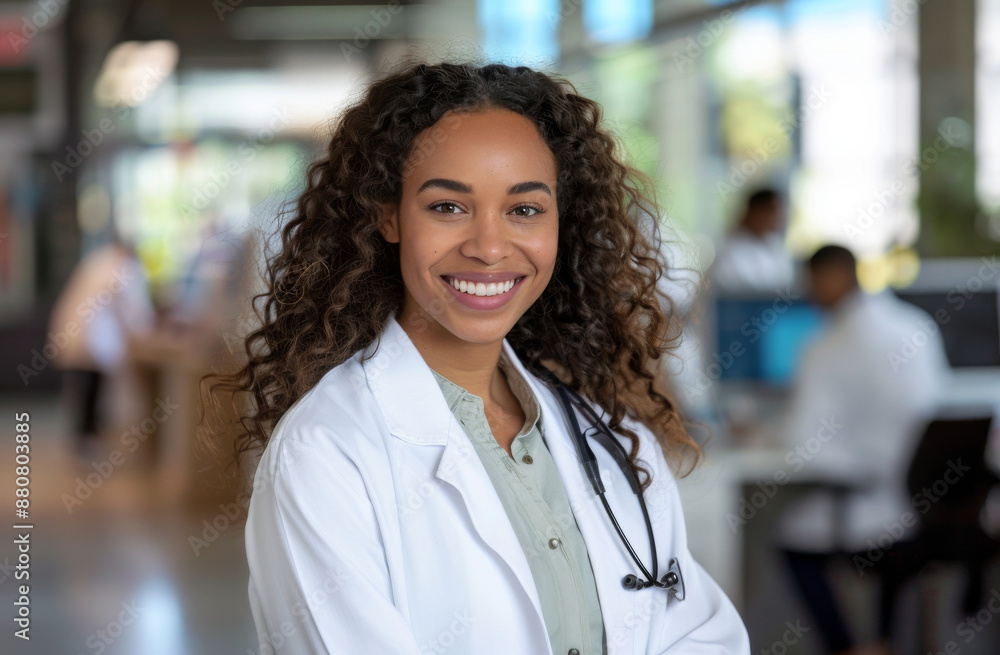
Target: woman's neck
472 366
475 368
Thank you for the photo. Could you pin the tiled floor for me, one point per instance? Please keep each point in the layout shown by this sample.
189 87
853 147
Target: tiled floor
118 574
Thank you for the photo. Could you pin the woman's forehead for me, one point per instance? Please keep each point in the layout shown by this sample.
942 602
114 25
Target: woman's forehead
481 145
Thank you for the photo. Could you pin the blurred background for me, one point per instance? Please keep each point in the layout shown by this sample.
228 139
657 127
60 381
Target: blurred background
147 146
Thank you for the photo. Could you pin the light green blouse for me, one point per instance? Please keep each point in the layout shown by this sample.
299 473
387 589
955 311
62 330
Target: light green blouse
533 495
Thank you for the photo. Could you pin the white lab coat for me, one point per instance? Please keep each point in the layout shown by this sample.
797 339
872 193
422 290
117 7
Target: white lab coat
747 263
374 528
865 389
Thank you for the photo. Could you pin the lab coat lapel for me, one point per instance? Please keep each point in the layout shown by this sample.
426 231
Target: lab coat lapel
461 467
417 413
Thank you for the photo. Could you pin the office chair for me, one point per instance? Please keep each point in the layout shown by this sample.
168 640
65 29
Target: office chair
949 482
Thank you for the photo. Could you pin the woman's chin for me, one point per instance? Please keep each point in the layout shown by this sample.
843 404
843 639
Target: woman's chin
480 329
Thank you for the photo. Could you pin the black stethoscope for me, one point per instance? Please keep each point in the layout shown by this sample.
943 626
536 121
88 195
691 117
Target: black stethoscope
672 579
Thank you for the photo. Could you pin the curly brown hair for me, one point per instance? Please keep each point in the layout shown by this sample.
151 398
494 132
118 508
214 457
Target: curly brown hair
600 323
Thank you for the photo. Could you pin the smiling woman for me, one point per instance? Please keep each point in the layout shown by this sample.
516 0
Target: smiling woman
470 238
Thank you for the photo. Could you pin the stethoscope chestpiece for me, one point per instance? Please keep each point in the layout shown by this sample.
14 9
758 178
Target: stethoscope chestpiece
673 580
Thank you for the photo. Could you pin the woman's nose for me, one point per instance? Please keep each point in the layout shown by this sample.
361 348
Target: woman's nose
488 238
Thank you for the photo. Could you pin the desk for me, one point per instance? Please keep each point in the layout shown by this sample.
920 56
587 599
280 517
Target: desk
173 365
732 504
712 497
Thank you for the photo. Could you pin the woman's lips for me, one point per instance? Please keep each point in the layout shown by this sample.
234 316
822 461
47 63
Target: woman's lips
482 295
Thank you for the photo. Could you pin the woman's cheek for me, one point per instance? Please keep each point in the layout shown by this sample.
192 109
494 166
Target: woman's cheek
545 252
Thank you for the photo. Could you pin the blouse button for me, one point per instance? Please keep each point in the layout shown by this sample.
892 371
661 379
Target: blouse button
573 651
553 543
527 459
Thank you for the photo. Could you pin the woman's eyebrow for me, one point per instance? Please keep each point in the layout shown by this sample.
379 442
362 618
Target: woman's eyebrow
450 185
461 187
527 187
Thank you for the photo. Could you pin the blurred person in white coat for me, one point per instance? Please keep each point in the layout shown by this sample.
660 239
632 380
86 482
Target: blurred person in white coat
466 237
865 389
754 259
105 299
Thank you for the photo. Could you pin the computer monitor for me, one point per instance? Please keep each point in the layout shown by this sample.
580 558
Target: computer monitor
969 322
761 339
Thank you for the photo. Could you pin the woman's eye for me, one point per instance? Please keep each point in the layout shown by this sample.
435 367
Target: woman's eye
526 210
446 208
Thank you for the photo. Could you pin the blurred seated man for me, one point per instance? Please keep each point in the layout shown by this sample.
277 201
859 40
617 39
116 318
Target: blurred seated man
754 258
864 391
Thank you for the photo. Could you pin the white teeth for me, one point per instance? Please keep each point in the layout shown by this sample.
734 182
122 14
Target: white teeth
482 289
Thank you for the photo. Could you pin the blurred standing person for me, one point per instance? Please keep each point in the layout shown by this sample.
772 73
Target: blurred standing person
753 258
105 299
856 415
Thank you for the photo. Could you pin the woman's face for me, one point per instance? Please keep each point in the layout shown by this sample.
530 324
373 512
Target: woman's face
477 224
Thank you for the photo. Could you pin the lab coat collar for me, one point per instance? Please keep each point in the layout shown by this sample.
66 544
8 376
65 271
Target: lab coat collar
393 364
404 387
416 411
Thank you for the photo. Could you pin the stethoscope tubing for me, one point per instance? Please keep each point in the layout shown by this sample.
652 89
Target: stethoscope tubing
569 398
